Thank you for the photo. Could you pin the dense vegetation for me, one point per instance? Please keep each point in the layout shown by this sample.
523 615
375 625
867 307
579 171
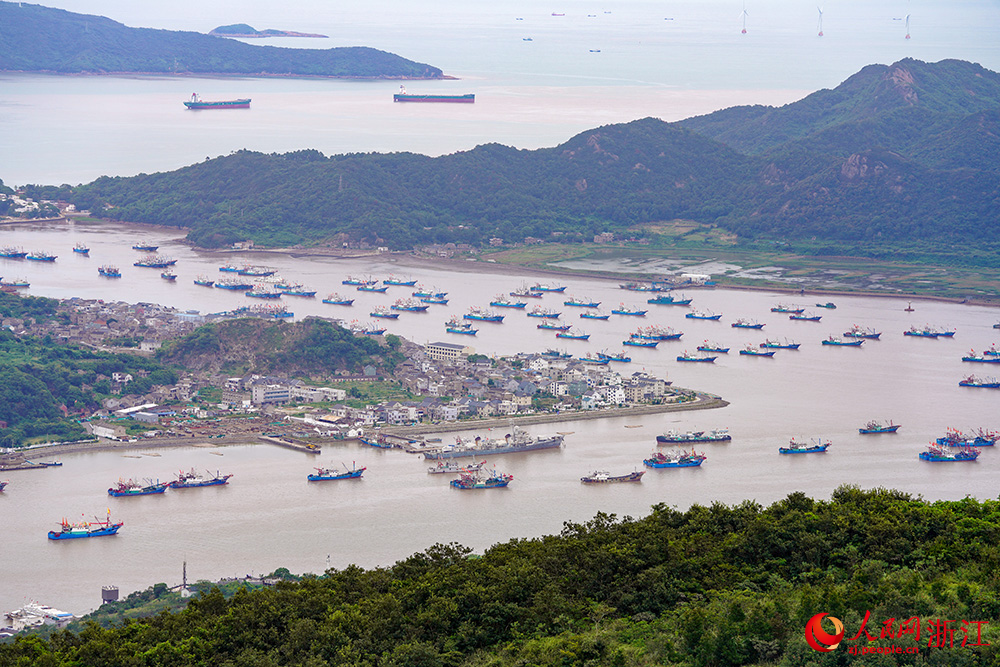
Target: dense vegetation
897 155
35 38
313 346
713 585
45 387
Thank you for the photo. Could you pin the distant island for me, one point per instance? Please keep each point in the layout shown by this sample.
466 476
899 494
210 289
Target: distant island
42 39
244 31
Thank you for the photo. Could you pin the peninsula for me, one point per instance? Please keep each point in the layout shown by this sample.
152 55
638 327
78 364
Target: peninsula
244 31
43 39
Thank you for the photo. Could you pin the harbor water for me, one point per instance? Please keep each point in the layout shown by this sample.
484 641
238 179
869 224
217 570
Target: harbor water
269 516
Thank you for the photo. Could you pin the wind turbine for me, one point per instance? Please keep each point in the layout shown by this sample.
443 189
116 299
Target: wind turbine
907 26
820 10
744 17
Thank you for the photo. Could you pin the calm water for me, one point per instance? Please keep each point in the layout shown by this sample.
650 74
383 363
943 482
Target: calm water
596 65
270 517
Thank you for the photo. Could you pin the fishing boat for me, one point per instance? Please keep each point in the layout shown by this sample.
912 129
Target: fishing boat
514 442
369 330
795 447
955 438
400 282
716 348
263 292
269 310
297 290
457 326
384 313
572 334
638 342
204 281
746 324
703 315
991 351
594 359
144 247
448 467
834 340
678 459
669 300
12 252
130 487
403 96
351 280
605 477
697 358
524 292
192 480
96 528
476 480
169 275
109 271
16 282
751 351
938 454
656 332
673 437
482 315
973 381
335 299
805 318
233 284
434 300
925 332
622 309
620 356
878 427
3 484
556 354
40 256
501 301
81 249
857 331
773 344
638 287
553 326
595 315
155 262
333 474
409 306
198 104
547 313
540 287
782 308
373 287
424 293
581 303
829 305
229 268
984 359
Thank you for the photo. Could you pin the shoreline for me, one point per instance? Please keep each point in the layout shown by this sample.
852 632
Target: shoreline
232 75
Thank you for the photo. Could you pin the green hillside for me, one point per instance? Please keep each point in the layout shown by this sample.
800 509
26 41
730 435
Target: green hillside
42 39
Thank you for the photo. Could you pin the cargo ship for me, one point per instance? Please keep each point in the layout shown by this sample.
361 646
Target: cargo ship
197 103
403 96
518 441
71 531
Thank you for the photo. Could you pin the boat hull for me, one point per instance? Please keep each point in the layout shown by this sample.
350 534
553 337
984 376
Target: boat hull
450 99
110 530
488 450
222 104
145 491
353 474
609 479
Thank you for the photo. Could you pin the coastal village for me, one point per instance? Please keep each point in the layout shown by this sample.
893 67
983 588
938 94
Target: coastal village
450 384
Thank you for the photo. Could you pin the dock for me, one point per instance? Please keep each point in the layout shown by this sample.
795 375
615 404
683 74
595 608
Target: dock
292 443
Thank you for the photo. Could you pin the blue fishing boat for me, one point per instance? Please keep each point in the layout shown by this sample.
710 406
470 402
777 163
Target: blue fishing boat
457 326
713 347
829 305
434 300
501 301
620 356
481 315
556 354
873 427
169 275
373 287
638 342
794 447
258 293
984 359
547 313
384 313
787 345
204 281
973 381
233 284
833 340
81 249
677 459
193 480
424 293
624 310
333 474
128 488
39 256
782 308
351 280
400 282
696 358
746 324
669 300
338 300
939 454
805 318
867 333
594 315
573 335
926 332
109 271
476 480
255 271
229 268
144 247
703 315
553 326
409 306
539 287
751 351
96 528
656 332
581 303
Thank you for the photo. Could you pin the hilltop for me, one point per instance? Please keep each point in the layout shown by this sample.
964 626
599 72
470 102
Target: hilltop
898 156
34 38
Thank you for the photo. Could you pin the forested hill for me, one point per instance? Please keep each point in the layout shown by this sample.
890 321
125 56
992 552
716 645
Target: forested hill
34 38
709 587
871 181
